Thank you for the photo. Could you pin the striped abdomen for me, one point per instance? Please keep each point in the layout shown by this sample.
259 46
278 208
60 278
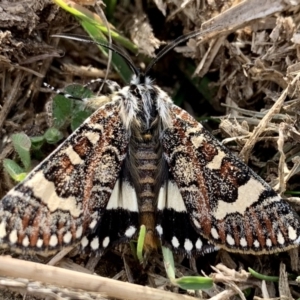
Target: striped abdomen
147 173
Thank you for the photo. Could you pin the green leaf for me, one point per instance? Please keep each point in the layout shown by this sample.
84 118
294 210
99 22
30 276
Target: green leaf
67 111
78 91
94 26
14 170
79 118
37 142
117 61
110 6
168 262
132 245
194 282
247 292
263 277
140 243
62 110
201 84
292 192
22 144
87 17
53 135
186 282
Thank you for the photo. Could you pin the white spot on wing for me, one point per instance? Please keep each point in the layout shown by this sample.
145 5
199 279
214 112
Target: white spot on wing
243 242
2 229
39 243
130 231
247 195
175 242
105 242
188 245
92 136
199 244
230 240
123 196
67 237
25 241
73 156
280 238
159 230
197 141
79 232
95 243
13 236
93 224
194 129
84 242
45 190
214 233
170 197
256 243
53 240
268 242
216 163
292 233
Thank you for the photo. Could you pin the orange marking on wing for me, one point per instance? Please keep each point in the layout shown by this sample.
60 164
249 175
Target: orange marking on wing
82 147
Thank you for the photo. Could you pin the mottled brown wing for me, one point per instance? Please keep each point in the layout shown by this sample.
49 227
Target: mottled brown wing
63 198
226 201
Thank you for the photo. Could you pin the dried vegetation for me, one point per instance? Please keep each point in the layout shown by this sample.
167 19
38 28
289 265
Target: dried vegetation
249 58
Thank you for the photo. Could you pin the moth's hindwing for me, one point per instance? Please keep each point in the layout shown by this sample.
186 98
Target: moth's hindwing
62 200
173 223
226 202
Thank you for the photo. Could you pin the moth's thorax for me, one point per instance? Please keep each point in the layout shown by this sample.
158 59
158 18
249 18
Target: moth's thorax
141 103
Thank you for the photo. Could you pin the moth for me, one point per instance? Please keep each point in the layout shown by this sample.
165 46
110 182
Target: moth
142 160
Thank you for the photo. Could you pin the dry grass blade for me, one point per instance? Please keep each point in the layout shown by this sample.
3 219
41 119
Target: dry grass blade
11 98
244 12
46 291
74 280
264 122
283 287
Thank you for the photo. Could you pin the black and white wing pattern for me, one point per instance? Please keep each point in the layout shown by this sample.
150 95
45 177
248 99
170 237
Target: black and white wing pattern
73 192
173 223
225 201
141 160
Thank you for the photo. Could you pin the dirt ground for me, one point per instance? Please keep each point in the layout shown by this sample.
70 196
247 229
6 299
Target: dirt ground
240 80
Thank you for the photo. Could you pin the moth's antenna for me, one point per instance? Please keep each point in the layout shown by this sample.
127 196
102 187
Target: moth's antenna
171 46
113 48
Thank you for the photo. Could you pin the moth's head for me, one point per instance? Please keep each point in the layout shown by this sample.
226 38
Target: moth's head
141 79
